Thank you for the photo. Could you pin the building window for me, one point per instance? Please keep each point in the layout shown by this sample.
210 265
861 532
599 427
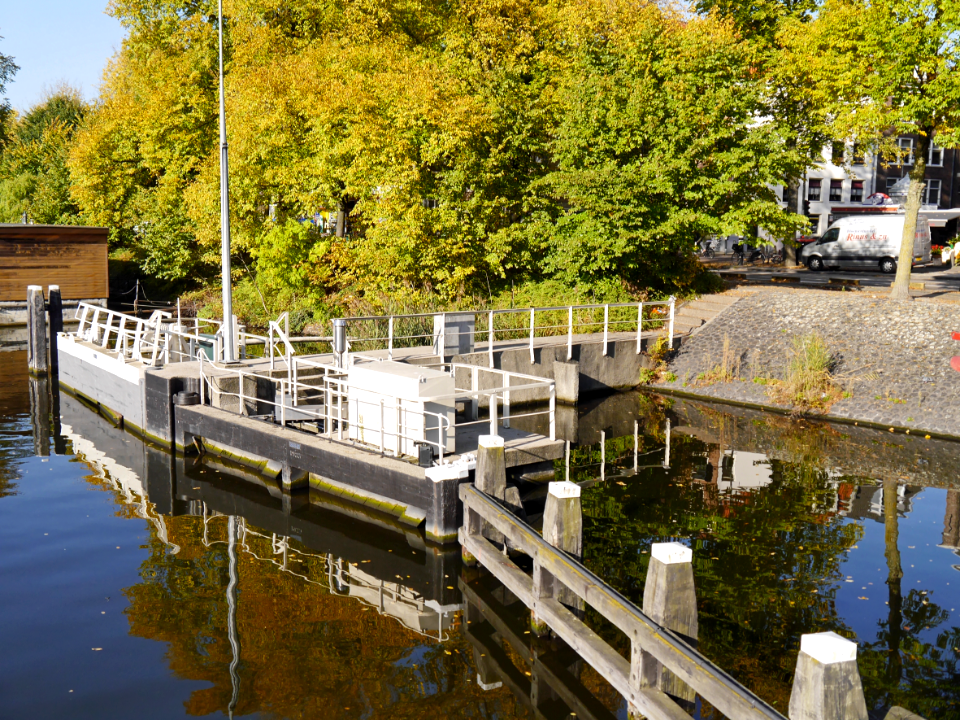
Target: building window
813 190
856 191
891 182
431 203
936 156
858 156
931 194
836 190
836 154
906 149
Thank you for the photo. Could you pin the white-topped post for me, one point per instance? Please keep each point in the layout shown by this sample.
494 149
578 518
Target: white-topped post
562 528
669 599
532 329
826 685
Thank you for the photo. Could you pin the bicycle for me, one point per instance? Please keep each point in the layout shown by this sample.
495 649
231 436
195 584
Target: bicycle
706 250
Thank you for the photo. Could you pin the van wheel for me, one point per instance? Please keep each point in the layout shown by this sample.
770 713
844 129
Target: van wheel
815 264
888 266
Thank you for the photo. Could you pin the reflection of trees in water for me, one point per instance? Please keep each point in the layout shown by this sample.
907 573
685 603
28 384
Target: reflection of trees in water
898 668
767 568
305 652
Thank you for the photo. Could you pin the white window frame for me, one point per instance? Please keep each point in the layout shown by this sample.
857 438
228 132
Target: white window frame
906 143
927 193
938 149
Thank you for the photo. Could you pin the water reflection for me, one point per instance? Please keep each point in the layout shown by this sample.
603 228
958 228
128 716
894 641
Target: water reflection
312 607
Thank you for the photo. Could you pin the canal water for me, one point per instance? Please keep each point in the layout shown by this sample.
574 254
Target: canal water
138 585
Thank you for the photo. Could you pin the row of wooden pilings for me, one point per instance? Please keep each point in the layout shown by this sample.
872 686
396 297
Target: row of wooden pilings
37 346
826 683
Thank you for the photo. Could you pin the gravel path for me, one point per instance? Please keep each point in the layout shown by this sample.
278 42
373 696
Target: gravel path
894 358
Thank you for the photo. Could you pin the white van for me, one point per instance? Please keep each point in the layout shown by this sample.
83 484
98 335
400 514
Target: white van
868 241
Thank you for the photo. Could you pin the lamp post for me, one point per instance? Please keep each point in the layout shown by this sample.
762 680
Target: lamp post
229 350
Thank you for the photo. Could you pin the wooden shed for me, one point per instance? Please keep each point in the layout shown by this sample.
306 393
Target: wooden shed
73 257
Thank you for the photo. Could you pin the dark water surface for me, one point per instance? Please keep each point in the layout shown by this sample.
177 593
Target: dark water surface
135 585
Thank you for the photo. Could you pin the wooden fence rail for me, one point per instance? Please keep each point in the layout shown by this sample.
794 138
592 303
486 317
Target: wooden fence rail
665 671
629 678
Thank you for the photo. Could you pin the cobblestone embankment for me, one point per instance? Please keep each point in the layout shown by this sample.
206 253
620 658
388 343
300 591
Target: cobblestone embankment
892 358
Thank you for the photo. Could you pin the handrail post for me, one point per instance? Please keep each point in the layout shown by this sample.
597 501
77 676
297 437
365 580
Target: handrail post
639 326
570 333
390 338
493 414
382 426
203 400
283 403
442 349
673 303
563 529
242 401
553 411
506 402
490 339
606 324
670 600
826 685
475 387
532 327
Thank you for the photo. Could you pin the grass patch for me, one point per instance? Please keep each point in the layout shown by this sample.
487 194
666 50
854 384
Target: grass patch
658 353
727 371
809 385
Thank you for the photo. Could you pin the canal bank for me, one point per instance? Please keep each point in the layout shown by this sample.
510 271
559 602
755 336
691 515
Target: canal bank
890 360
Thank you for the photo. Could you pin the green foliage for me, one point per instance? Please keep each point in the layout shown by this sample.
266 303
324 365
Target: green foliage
34 178
658 145
875 70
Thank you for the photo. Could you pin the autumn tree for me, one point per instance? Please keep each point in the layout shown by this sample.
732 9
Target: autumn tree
876 70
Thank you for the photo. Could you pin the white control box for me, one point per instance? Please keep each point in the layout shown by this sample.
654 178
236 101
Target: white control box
399 402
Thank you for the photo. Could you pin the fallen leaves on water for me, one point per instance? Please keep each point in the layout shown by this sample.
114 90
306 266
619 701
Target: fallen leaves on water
863 598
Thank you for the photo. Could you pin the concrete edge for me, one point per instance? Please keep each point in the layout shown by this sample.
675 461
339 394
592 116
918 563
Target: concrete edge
788 413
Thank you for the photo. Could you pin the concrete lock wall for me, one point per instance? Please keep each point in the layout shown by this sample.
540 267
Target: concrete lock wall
618 369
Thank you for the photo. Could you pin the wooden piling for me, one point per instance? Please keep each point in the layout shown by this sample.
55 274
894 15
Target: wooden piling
55 310
36 331
491 477
563 529
826 685
40 415
670 599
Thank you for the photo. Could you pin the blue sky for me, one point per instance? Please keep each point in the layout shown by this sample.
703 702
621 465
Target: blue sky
56 41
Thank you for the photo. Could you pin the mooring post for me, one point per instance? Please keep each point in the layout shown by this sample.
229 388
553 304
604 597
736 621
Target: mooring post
563 529
491 477
827 685
36 331
55 305
670 600
40 415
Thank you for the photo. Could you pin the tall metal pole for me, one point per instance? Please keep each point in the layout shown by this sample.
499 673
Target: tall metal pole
232 614
229 350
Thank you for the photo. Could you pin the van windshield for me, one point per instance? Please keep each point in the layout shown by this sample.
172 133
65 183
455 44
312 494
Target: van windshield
830 236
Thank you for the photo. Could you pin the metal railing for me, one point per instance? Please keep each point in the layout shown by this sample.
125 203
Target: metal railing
155 341
323 398
385 331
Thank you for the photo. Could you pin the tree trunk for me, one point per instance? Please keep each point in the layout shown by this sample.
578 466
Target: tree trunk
894 669
791 197
901 286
